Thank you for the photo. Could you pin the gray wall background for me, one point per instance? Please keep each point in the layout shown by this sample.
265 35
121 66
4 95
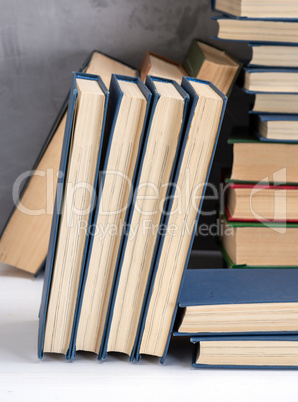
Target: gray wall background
42 42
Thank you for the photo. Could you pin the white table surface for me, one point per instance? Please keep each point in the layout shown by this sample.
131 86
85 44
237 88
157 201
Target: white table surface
23 377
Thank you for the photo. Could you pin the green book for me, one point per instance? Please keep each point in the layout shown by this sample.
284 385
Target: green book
209 63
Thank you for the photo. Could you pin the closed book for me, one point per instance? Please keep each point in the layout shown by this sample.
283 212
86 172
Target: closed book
209 63
261 203
259 243
264 55
259 161
164 138
128 111
257 30
263 9
276 127
246 352
238 302
25 238
275 80
275 103
173 251
73 210
160 66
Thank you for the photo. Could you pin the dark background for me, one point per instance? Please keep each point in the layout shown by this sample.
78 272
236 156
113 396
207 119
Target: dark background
42 42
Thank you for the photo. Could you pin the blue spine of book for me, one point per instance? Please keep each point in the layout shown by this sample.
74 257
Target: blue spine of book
186 85
58 207
155 98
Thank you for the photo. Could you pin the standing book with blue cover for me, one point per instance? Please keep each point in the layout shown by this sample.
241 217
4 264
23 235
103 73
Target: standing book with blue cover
200 142
68 144
168 162
238 302
246 352
22 232
126 138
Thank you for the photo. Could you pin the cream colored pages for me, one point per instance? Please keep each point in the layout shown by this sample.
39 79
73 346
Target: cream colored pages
164 69
191 180
246 353
156 170
112 211
24 243
80 174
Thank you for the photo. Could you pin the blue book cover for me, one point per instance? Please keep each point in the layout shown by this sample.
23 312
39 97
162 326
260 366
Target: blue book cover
115 100
150 83
277 347
263 24
275 117
58 204
210 287
186 85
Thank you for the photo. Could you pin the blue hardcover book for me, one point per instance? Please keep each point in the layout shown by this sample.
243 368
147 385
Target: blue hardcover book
23 232
172 254
156 170
79 167
257 30
246 352
128 112
273 55
282 128
241 302
270 80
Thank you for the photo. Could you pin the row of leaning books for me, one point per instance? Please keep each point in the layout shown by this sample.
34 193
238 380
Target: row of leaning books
25 237
247 316
120 242
121 164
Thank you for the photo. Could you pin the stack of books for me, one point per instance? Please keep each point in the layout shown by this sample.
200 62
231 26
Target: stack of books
247 317
259 218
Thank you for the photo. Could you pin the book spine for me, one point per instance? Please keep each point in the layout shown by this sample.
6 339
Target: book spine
194 59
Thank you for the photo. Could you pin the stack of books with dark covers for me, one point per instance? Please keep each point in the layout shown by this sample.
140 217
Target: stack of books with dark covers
247 316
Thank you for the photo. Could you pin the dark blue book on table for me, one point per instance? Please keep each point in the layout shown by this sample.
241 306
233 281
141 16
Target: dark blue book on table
115 103
178 273
227 288
61 188
246 352
150 83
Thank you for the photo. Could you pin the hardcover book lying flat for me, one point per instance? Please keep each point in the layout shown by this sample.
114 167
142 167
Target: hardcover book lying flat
25 237
227 301
259 161
257 9
164 138
285 56
276 127
247 352
74 205
126 123
275 103
257 244
256 30
207 106
160 66
261 202
271 80
206 62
